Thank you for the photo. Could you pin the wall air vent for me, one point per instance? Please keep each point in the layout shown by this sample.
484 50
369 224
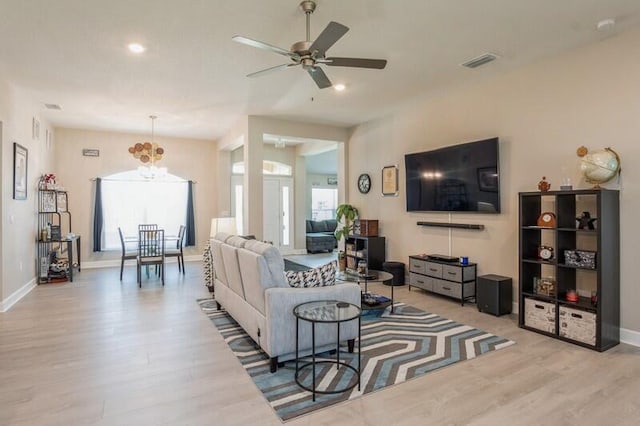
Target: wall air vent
480 60
53 106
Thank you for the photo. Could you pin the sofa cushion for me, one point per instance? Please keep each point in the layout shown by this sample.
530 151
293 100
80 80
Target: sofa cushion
232 268
256 278
236 241
218 263
332 224
319 226
273 261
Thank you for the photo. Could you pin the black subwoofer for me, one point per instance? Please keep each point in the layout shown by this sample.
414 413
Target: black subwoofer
493 294
397 270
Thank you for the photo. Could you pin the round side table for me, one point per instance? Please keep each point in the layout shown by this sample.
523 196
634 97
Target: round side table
324 312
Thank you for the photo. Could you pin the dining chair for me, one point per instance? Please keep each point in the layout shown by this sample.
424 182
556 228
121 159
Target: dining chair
150 251
126 255
147 226
177 251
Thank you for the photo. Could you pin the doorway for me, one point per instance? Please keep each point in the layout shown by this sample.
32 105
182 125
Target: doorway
277 213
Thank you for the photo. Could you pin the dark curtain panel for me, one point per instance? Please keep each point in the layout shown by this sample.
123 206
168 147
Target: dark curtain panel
191 221
98 219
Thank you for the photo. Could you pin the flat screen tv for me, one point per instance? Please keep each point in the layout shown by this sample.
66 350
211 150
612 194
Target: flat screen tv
459 178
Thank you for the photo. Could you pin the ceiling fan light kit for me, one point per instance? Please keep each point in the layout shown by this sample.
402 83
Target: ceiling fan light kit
310 54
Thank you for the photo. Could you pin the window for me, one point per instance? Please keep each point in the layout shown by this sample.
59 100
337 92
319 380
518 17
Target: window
268 168
128 200
324 202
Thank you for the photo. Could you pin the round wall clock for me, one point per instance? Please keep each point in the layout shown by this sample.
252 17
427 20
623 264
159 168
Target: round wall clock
364 183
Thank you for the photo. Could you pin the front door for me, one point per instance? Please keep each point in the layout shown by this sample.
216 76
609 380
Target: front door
278 212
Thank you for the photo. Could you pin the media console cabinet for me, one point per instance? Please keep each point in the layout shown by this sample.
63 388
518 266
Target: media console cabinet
451 279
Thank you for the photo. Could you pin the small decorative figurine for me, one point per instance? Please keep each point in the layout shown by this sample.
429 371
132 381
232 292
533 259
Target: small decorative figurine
543 185
572 295
586 221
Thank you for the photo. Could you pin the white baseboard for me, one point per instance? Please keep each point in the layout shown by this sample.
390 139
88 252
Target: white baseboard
116 262
630 337
7 303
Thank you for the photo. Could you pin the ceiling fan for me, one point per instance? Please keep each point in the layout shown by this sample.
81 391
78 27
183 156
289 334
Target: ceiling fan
311 54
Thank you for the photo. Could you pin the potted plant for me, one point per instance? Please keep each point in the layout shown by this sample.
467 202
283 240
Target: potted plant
345 215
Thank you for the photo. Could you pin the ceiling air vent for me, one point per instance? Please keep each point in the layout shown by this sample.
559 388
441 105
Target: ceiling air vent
480 60
53 106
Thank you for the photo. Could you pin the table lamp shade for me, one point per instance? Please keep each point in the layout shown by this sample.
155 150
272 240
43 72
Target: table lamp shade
223 224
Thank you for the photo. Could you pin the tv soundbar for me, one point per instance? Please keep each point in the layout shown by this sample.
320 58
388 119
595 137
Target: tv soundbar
452 225
443 258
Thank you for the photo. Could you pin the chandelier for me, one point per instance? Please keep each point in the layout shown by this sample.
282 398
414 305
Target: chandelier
148 153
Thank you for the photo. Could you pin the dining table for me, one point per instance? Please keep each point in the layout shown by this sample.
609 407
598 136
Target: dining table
130 240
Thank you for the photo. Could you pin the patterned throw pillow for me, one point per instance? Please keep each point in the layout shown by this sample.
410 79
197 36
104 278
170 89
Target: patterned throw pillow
317 277
328 273
303 279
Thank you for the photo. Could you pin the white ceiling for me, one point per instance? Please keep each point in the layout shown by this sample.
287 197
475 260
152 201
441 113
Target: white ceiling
72 52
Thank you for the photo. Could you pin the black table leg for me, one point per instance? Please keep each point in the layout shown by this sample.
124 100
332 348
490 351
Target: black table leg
297 355
78 248
338 348
392 303
70 255
313 357
359 348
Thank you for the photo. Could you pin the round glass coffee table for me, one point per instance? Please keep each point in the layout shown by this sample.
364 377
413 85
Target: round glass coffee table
324 312
370 302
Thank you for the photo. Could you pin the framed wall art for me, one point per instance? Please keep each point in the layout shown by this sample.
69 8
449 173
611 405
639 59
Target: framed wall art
390 181
20 157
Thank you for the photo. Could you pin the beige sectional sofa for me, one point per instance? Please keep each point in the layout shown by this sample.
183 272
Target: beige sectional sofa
251 286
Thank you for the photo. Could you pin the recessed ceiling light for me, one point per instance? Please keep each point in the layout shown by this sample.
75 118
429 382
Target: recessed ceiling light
339 87
606 25
136 48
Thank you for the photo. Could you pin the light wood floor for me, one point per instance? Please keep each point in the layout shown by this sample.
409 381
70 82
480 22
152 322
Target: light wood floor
103 352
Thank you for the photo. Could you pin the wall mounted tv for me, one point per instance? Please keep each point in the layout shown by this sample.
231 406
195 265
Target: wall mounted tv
459 178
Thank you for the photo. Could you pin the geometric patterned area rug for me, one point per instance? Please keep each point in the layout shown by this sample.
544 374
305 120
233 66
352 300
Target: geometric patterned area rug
395 347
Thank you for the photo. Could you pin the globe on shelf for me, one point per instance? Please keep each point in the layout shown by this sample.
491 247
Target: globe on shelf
599 166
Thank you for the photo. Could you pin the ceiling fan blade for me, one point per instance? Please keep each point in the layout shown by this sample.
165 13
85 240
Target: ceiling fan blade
355 62
270 70
319 77
264 46
332 33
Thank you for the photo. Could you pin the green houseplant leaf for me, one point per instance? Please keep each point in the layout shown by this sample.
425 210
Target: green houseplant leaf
345 214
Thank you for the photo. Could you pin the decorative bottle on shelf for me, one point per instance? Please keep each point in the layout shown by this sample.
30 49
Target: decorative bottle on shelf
48 231
362 268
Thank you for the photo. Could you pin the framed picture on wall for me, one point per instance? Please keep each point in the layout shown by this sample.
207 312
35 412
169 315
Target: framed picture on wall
390 181
20 157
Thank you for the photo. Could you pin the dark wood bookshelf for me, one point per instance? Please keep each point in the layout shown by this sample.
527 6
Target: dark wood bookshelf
603 318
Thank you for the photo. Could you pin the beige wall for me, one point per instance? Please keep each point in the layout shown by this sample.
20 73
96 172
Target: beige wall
19 218
541 113
249 132
190 159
